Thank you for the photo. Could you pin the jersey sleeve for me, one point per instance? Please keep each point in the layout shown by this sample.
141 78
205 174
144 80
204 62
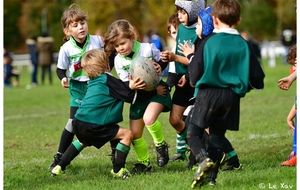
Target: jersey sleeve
63 61
121 90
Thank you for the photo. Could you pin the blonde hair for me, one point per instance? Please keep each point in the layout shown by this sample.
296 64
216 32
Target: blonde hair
94 63
72 14
120 28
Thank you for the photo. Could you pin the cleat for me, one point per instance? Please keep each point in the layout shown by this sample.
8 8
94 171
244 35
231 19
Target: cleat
162 154
291 162
178 156
123 173
57 171
291 155
55 161
231 167
192 162
212 183
200 176
141 168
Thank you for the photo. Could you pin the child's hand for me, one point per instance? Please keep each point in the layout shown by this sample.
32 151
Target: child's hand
161 90
157 67
167 56
65 82
291 125
182 81
136 84
285 83
186 49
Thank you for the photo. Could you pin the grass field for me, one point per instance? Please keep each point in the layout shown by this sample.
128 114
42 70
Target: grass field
34 118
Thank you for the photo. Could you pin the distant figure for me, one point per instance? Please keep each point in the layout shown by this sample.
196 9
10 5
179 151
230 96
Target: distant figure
253 43
287 39
31 44
45 54
9 71
153 37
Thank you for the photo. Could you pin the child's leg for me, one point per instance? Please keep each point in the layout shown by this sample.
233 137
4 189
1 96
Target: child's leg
139 143
65 139
155 129
73 150
232 162
122 148
177 122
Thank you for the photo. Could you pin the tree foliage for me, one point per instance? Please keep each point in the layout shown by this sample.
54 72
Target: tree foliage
264 19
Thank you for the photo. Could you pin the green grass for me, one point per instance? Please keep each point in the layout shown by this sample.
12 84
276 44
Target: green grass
34 119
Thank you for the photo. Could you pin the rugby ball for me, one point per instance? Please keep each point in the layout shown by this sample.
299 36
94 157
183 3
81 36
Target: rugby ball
143 68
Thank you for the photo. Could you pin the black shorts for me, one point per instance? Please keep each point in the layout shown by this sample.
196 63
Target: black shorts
94 135
216 107
183 95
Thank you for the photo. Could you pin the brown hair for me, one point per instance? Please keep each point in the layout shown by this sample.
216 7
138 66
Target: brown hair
292 55
72 14
94 63
173 21
120 28
227 11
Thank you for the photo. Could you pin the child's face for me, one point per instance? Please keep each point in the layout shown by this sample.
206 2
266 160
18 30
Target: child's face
199 27
123 45
78 30
183 17
173 32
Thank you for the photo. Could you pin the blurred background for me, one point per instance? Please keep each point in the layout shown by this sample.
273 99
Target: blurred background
269 25
264 20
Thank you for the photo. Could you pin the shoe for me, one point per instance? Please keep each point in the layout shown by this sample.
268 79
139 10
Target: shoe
55 161
141 168
123 173
57 171
291 162
178 156
192 164
162 154
290 155
212 183
200 176
231 167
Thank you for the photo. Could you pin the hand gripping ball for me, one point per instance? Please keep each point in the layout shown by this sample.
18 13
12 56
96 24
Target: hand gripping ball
143 68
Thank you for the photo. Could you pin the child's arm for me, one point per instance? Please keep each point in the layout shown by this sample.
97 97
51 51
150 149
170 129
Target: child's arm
169 56
290 119
122 90
286 82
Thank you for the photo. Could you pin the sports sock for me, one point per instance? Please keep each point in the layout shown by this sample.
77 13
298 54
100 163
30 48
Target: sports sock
73 150
295 140
65 140
155 131
232 158
120 157
141 150
181 145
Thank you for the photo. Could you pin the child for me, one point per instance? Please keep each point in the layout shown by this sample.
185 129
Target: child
121 38
96 120
221 77
172 26
9 71
203 29
187 13
292 158
69 69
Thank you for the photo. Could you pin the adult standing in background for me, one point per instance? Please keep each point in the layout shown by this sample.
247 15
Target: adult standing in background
31 44
45 52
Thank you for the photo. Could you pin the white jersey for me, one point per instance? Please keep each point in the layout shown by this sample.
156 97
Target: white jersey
122 63
69 57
